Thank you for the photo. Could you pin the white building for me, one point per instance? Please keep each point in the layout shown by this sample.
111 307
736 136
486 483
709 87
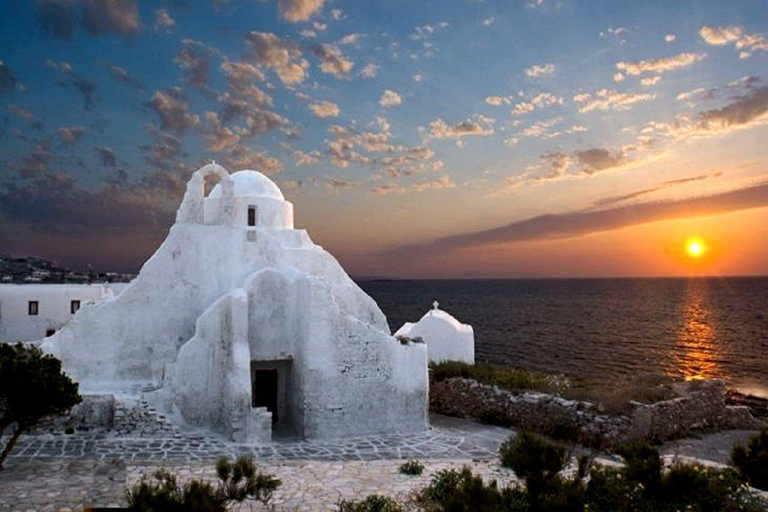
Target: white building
31 311
447 339
245 327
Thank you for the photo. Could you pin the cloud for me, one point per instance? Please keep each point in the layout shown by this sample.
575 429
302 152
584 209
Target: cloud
369 71
745 110
489 21
390 99
83 86
107 156
332 60
439 129
350 39
34 163
426 31
444 182
195 59
583 222
283 57
599 159
163 150
21 112
720 35
104 16
299 10
7 79
333 183
540 129
70 135
243 157
172 109
669 38
163 20
122 76
650 80
538 70
660 65
497 100
389 188
308 34
747 43
324 109
606 99
300 158
666 184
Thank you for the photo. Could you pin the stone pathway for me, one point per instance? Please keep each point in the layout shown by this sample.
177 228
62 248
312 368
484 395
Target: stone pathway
49 473
448 438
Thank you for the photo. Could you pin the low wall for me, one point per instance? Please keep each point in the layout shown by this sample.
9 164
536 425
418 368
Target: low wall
701 410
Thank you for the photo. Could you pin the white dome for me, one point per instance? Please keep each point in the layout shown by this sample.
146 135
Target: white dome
251 183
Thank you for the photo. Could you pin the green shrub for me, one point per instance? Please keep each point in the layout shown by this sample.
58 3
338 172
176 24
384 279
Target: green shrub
511 379
453 490
238 481
412 468
373 503
32 386
642 485
534 459
752 462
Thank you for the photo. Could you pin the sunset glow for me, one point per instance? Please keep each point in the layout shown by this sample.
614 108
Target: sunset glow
448 138
695 247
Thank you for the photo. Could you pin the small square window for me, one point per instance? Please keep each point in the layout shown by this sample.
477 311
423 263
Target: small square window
34 307
251 215
50 332
74 306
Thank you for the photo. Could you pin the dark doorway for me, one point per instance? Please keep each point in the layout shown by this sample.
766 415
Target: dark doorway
272 387
50 332
265 391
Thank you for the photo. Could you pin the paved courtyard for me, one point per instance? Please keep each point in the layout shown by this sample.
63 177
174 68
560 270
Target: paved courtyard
50 473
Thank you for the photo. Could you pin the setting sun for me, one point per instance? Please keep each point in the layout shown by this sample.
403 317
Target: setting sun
695 247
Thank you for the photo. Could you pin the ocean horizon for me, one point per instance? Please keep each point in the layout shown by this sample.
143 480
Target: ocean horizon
603 329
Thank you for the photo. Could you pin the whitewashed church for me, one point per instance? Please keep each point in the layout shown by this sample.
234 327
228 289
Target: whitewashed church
241 325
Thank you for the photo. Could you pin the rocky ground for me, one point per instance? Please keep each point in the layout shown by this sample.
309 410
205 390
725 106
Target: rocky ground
49 473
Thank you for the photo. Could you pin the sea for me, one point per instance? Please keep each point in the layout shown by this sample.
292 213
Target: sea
603 329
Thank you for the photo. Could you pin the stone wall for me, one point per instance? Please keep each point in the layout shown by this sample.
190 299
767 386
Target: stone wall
105 414
703 409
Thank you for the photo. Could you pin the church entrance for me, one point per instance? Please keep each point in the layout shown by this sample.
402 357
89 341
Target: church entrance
271 388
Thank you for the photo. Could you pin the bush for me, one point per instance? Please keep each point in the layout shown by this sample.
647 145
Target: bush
412 468
373 503
454 490
32 386
238 481
752 462
512 379
641 485
533 459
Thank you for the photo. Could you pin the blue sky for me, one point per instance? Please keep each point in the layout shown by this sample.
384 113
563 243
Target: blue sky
390 124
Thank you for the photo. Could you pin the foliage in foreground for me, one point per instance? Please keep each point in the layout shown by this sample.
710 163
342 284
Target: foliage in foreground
373 503
32 386
752 462
238 481
411 468
505 377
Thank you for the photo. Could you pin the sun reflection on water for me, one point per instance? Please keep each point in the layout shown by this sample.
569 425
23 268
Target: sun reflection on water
697 356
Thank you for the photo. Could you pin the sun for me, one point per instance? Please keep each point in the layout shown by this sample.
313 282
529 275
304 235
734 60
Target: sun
695 247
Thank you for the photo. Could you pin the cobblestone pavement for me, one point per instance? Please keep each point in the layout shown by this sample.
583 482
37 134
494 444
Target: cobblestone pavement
48 472
448 438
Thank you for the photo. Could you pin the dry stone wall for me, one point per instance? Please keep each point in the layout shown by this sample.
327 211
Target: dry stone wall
703 409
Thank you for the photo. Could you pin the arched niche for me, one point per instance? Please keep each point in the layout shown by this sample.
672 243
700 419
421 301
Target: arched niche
192 209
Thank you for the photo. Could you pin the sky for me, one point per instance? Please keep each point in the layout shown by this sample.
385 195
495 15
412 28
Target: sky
433 139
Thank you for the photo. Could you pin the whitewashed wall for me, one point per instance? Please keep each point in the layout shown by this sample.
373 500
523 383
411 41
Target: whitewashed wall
54 307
